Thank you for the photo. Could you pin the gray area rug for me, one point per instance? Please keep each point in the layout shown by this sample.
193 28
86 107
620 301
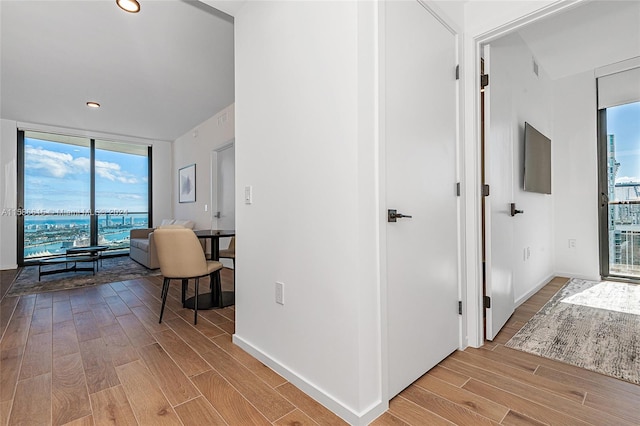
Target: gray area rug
112 269
590 324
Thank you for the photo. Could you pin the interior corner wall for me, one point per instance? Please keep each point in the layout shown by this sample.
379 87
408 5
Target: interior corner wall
161 158
300 144
513 83
575 172
195 147
8 188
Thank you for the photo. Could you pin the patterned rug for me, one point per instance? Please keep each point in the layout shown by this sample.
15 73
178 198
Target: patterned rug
590 324
112 269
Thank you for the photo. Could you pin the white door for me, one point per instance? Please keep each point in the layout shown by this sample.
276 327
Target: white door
420 135
499 175
225 188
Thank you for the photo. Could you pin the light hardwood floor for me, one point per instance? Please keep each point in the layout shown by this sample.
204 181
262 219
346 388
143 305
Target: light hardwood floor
99 356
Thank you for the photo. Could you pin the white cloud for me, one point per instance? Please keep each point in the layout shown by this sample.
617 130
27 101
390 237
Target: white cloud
56 164
59 165
627 179
114 173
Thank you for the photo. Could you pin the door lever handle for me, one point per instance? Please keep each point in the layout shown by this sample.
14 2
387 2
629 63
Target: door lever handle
515 211
392 215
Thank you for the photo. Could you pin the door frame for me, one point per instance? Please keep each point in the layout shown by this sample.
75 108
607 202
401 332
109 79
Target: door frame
213 178
471 163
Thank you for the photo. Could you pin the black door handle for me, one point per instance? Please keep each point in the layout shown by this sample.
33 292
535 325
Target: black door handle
515 211
392 215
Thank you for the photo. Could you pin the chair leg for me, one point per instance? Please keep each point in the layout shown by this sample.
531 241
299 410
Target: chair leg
195 304
165 291
216 290
185 285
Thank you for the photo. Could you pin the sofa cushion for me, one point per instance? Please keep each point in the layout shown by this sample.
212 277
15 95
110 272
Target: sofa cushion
186 223
140 243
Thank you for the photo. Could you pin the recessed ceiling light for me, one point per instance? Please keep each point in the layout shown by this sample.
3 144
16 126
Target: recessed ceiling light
93 105
129 5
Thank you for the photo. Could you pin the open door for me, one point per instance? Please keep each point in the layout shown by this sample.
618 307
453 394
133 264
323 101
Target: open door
420 140
498 195
223 175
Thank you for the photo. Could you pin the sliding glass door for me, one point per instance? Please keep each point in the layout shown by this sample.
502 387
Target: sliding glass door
121 191
77 192
620 195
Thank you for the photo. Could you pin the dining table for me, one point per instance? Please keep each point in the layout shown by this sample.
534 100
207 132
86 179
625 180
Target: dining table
217 298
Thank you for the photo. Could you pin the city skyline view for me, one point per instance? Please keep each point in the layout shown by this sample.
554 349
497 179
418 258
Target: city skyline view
57 193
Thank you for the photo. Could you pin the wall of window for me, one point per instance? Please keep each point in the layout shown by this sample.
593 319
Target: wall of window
76 192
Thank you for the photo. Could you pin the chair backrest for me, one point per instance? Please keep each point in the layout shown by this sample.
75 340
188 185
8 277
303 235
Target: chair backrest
179 253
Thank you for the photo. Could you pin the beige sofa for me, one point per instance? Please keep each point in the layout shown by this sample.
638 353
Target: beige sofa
142 248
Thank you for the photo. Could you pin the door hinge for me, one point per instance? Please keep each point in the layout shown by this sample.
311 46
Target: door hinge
484 80
459 307
457 72
487 302
485 190
458 189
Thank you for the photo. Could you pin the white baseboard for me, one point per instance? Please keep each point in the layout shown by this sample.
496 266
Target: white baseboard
6 267
534 290
347 414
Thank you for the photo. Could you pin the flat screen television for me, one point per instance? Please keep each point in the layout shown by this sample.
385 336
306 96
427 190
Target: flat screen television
537 161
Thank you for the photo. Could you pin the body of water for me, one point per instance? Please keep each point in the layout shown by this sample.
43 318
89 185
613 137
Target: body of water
52 235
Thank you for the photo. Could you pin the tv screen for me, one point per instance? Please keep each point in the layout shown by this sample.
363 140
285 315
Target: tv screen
537 161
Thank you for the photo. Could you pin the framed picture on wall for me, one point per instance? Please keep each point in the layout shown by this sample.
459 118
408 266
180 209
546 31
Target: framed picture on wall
187 184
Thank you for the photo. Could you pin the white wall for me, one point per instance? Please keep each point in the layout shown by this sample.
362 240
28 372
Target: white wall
306 142
161 179
195 147
575 172
8 219
518 96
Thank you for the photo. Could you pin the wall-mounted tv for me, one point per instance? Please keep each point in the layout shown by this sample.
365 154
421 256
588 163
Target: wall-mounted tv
537 161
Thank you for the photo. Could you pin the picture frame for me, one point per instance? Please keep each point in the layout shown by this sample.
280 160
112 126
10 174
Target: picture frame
187 184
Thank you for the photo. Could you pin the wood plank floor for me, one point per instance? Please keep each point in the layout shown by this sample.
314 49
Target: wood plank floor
98 356
499 385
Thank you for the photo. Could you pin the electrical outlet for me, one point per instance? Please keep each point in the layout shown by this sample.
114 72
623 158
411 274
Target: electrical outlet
572 243
280 293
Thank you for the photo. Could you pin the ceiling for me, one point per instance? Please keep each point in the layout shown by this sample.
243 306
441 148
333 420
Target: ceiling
585 37
157 74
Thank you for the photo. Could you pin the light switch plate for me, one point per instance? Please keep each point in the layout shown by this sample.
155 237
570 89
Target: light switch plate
248 194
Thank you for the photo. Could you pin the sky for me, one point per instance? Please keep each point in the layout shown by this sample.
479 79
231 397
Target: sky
57 178
624 123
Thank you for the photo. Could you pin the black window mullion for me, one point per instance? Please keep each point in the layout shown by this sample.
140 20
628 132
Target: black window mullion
20 198
93 223
150 189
